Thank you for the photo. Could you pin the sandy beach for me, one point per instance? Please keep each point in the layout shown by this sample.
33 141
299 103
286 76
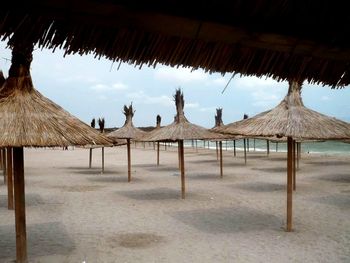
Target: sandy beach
77 214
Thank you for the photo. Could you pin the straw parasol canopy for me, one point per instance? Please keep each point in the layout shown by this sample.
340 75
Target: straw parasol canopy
181 129
291 119
128 131
28 119
283 39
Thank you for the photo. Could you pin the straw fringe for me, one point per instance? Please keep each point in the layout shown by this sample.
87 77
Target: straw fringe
128 131
291 119
181 128
29 119
105 33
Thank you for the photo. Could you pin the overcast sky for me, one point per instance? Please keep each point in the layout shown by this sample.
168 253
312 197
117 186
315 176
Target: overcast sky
88 88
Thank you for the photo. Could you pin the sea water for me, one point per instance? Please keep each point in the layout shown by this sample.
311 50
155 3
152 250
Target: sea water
323 147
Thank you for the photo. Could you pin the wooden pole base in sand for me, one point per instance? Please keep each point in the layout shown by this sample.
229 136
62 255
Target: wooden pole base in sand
245 151
158 153
90 158
103 160
129 159
289 183
182 168
20 214
221 166
10 199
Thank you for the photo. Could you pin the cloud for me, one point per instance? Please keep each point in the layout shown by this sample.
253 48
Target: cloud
142 98
219 81
77 78
180 75
191 105
114 87
265 92
102 97
208 109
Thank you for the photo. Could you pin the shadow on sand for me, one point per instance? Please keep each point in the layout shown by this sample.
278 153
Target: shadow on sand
336 178
228 220
31 200
260 187
43 240
342 201
113 179
152 194
271 169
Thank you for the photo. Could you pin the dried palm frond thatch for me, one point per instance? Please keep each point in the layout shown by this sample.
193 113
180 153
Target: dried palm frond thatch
181 129
217 37
28 119
158 121
93 123
128 131
101 124
291 119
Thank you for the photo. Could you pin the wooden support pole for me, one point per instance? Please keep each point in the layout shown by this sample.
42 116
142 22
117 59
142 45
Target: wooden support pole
245 151
182 161
158 153
254 144
234 148
9 179
129 159
20 214
289 183
196 146
268 147
298 153
294 165
103 159
4 164
1 164
276 146
217 151
221 168
179 154
248 145
90 158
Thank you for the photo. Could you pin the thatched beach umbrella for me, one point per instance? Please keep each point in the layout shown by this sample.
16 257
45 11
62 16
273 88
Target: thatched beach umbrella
101 124
158 121
181 129
219 123
92 124
128 132
291 119
28 119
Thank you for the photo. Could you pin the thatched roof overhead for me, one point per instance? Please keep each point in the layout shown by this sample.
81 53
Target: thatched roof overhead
283 39
29 119
291 119
128 131
181 128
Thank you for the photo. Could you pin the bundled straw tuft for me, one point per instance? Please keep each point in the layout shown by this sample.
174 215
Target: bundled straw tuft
291 119
128 131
